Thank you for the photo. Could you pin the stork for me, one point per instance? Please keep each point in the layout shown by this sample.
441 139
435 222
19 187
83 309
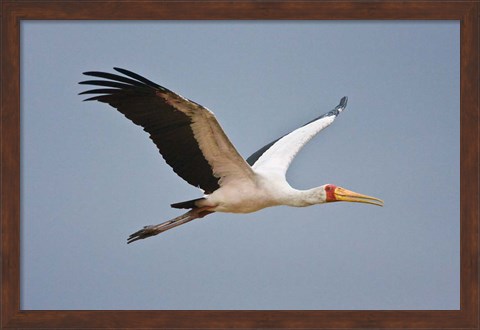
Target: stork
193 143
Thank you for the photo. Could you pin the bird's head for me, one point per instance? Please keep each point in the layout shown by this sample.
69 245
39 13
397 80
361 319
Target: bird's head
333 193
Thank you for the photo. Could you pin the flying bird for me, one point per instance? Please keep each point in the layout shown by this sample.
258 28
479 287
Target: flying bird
193 143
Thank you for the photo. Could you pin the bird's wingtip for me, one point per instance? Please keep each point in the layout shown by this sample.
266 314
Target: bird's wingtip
124 71
343 103
90 73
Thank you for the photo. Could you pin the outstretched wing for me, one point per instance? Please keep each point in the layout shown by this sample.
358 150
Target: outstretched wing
276 156
187 134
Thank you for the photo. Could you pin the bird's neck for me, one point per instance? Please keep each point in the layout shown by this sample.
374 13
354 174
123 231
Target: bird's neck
301 198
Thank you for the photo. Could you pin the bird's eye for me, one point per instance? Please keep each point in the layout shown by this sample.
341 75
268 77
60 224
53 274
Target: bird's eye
327 188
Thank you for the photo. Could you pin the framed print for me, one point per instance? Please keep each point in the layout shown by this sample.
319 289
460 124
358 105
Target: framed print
77 177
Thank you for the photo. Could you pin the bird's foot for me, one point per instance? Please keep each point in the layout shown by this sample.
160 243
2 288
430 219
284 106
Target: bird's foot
145 232
153 230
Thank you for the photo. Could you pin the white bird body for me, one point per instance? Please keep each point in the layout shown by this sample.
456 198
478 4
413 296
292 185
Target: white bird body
246 196
193 143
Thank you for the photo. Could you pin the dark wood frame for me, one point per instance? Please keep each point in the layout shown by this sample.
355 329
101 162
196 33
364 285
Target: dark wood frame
467 12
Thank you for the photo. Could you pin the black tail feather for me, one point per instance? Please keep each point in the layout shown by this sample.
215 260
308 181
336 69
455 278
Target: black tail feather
187 204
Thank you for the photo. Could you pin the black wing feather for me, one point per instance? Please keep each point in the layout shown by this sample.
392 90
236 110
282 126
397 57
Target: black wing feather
106 83
112 77
140 101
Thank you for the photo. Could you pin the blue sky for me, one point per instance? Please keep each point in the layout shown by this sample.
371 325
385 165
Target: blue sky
89 177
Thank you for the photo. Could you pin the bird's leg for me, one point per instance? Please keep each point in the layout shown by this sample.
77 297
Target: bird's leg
153 230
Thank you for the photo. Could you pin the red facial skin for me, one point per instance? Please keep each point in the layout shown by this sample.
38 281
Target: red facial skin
330 191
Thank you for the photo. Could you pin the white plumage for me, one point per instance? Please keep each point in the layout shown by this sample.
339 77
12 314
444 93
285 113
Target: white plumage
193 143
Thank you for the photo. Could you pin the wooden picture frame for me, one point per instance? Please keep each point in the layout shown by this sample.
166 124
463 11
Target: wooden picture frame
466 12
